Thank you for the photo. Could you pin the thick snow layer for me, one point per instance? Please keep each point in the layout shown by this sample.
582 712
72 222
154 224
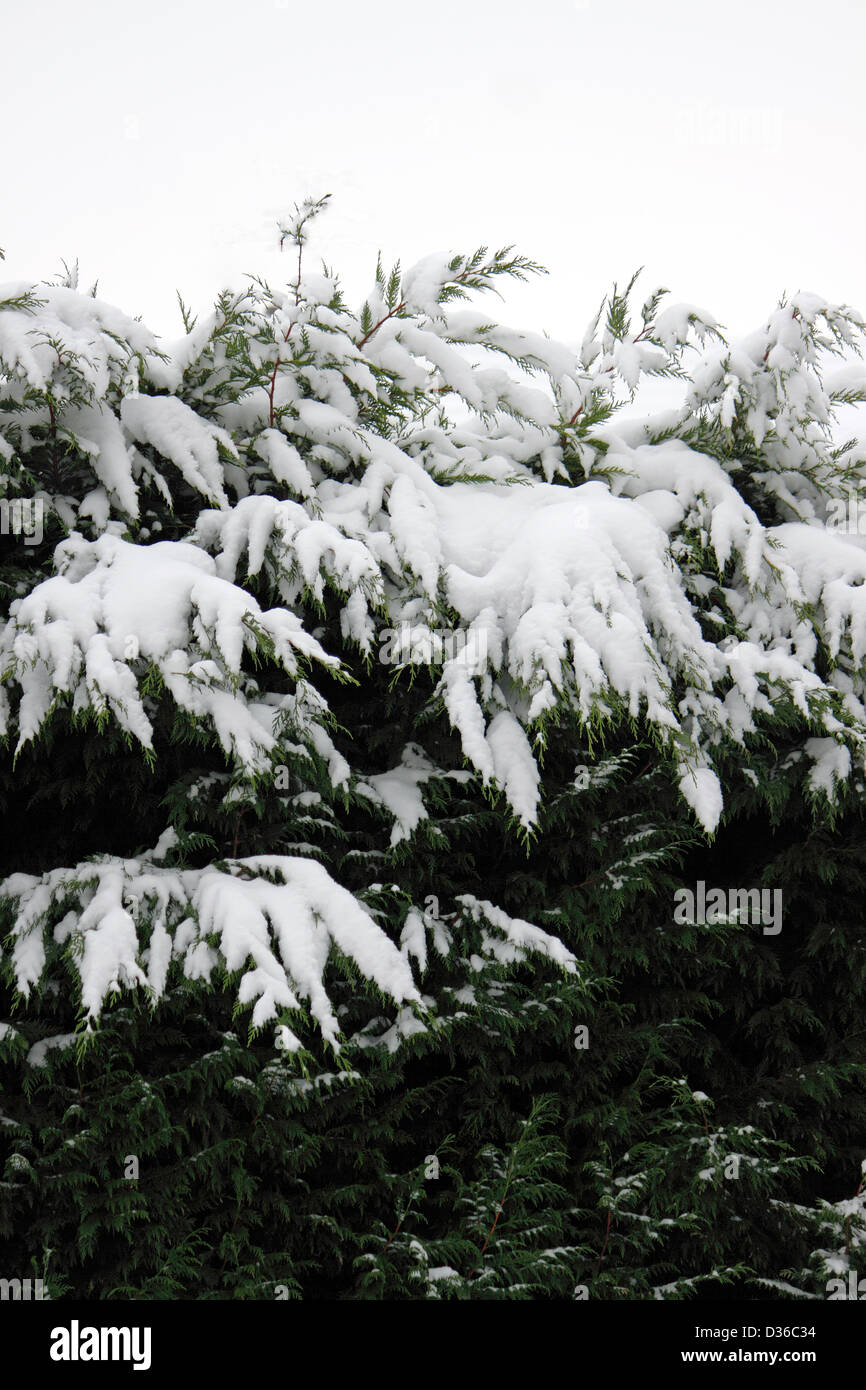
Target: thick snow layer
280 932
113 604
273 919
431 472
178 433
571 595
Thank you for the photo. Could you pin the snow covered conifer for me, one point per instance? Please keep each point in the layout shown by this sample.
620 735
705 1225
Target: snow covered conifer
370 684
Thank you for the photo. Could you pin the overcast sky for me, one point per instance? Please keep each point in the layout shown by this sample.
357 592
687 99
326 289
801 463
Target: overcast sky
720 146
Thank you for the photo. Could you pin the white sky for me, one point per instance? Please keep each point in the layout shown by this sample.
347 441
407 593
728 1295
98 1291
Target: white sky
718 145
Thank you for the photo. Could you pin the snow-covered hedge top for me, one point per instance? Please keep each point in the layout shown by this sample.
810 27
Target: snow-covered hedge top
433 469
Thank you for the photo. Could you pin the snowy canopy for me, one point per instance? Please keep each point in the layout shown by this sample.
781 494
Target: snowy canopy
680 571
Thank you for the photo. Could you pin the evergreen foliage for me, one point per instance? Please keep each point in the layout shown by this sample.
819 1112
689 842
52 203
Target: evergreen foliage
370 688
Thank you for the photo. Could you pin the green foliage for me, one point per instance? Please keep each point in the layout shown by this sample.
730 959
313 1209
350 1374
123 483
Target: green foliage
680 1116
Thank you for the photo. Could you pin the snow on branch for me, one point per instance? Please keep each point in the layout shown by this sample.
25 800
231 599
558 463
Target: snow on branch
89 633
275 921
275 918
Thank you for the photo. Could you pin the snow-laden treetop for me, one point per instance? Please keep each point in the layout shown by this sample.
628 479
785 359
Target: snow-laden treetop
427 469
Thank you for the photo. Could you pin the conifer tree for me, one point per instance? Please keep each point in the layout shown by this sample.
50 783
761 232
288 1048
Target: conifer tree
371 684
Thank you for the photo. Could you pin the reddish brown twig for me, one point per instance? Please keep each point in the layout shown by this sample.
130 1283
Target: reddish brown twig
376 326
604 1247
497 1216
